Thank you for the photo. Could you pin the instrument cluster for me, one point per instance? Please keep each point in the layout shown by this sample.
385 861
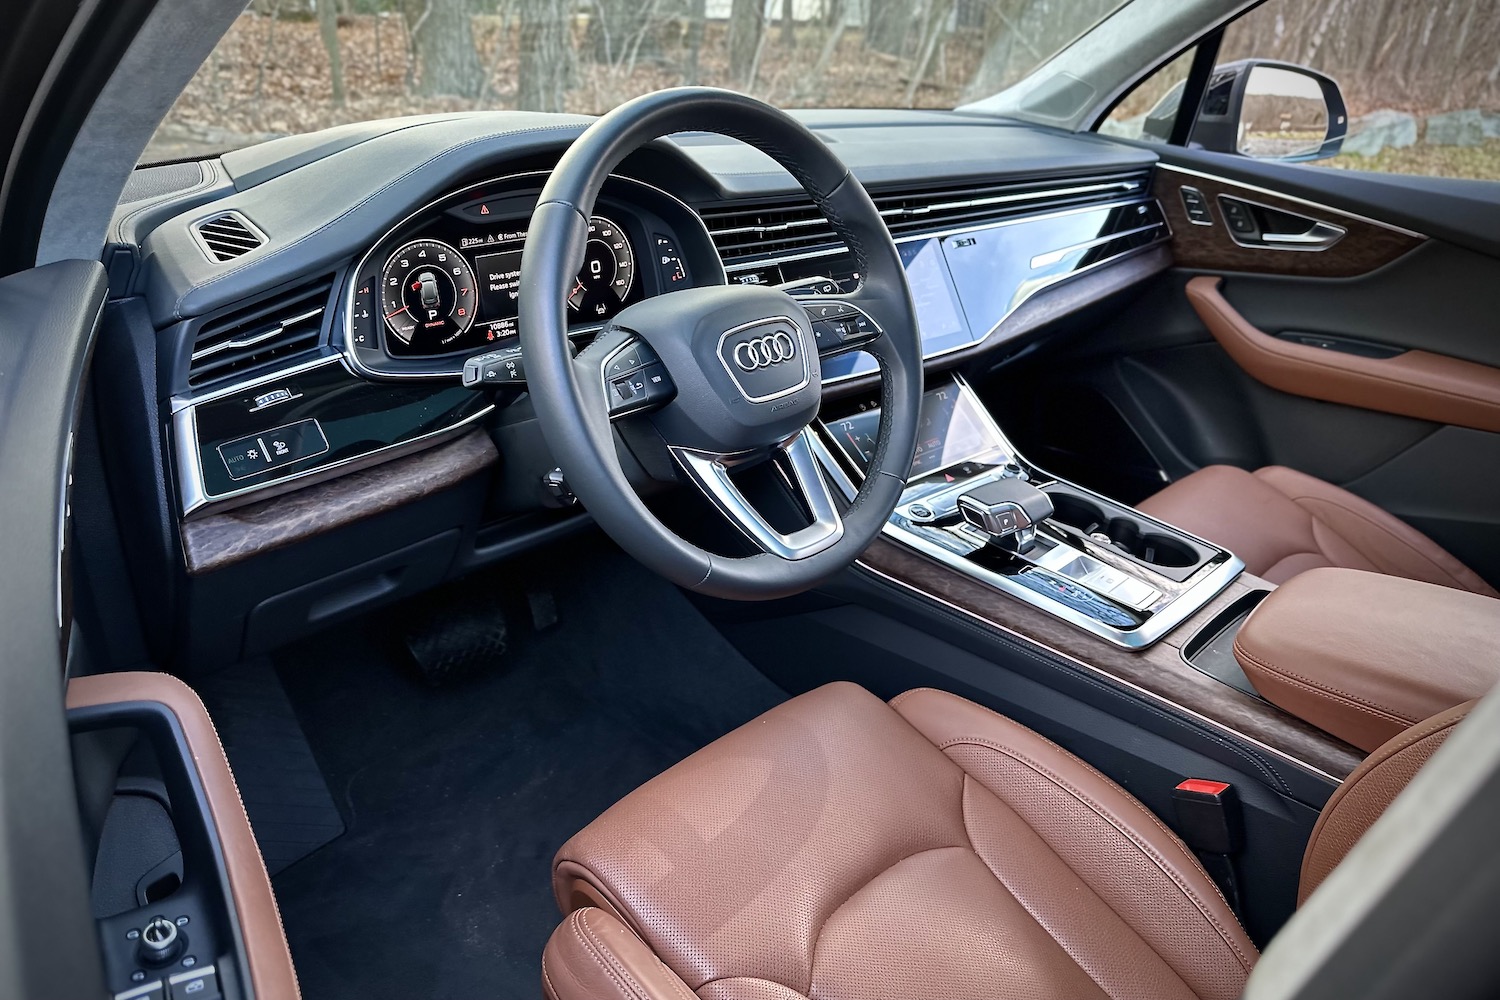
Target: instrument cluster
444 284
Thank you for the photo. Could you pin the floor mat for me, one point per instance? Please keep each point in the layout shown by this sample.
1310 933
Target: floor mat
285 796
456 797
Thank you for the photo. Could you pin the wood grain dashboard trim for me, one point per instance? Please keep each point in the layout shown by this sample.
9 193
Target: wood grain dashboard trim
1366 246
1158 671
219 540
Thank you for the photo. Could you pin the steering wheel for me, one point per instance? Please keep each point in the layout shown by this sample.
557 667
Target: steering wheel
726 375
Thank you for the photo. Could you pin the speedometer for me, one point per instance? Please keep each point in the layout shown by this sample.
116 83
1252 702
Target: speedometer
427 295
607 274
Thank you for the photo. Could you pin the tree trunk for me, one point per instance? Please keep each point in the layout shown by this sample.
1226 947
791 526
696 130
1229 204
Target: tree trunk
747 20
886 25
697 16
443 37
328 28
546 55
788 25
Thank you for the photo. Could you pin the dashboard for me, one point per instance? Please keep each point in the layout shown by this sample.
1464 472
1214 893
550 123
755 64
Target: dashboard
314 447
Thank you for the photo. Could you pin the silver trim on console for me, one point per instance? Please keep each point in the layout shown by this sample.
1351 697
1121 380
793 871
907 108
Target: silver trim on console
934 543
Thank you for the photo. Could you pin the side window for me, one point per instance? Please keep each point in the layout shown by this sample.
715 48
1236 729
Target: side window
1420 78
1399 86
1149 110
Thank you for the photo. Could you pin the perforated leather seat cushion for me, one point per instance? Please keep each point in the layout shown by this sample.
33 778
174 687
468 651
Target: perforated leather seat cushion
838 848
1282 522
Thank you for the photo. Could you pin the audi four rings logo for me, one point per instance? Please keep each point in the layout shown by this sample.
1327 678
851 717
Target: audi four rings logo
763 352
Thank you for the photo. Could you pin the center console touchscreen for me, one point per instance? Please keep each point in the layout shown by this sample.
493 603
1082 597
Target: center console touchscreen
952 431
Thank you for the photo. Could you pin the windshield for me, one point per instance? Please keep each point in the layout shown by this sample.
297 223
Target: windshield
291 66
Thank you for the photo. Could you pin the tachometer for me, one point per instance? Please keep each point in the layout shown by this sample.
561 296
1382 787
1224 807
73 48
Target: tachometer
607 274
428 294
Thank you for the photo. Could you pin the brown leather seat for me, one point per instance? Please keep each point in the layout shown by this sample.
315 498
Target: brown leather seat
840 848
1282 522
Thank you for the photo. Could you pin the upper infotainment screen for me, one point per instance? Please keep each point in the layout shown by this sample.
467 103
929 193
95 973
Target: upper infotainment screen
940 317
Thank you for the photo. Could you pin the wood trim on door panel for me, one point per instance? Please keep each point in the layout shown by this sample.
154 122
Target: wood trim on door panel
1413 384
266 951
1366 245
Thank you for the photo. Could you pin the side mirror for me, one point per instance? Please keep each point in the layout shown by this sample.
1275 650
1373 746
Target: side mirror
1256 107
1271 111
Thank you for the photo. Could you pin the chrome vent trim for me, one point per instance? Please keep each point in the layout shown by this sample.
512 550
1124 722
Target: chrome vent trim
275 328
228 235
796 227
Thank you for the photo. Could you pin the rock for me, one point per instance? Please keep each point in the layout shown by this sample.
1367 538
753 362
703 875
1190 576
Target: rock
1456 128
1369 134
1491 124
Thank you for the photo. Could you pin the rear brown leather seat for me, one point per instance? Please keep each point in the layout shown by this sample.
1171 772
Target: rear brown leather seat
841 848
1282 522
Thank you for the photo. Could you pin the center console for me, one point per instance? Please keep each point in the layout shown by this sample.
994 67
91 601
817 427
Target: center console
973 504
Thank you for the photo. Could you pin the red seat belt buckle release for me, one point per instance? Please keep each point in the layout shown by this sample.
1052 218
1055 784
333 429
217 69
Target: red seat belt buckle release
1208 816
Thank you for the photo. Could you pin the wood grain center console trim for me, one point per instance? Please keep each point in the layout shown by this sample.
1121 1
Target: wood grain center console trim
1159 672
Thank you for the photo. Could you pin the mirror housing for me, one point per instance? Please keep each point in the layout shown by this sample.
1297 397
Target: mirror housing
1242 99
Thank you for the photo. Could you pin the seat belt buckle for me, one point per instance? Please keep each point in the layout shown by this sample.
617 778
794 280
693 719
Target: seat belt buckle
1208 816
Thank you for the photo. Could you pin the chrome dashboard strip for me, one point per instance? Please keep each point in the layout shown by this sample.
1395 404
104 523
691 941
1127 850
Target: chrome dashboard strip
196 501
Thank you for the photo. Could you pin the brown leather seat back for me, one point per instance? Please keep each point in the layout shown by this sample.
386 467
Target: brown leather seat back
1367 792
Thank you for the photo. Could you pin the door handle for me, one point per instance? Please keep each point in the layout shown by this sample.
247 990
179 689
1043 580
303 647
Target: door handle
1263 227
1320 236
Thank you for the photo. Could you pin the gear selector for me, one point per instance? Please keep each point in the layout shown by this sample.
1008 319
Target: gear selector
1008 511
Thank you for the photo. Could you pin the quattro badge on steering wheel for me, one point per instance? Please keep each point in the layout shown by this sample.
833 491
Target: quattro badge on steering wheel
766 359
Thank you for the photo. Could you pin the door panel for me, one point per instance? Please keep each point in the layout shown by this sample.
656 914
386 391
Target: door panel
1420 306
1352 370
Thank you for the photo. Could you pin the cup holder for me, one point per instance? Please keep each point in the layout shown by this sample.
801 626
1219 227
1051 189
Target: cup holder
1124 533
1077 513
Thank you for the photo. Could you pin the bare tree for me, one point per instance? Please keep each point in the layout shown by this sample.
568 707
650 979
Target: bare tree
442 34
747 22
328 28
697 15
546 69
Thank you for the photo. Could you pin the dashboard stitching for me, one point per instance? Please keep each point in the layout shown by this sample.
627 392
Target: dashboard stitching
393 182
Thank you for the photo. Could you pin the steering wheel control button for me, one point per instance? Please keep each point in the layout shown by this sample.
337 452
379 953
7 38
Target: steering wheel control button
199 984
271 449
503 367
150 991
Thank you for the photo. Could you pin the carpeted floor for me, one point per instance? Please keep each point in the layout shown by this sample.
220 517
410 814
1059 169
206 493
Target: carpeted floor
456 797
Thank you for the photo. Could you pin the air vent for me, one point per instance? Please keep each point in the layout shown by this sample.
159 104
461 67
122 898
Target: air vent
795 228
227 236
272 329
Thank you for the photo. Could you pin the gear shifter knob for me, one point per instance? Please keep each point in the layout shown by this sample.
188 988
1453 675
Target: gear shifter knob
1008 511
